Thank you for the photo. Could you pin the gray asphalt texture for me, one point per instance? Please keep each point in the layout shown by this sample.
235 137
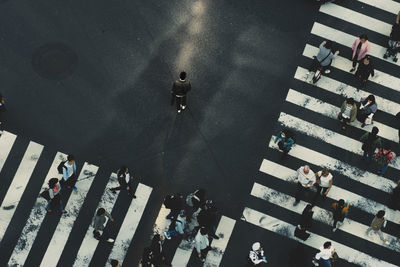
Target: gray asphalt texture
93 78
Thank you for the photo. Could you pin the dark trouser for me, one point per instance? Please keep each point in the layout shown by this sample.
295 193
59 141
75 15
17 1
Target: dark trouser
315 63
361 79
337 219
282 147
355 61
361 117
70 182
299 191
127 187
180 101
318 193
101 237
53 203
344 121
367 156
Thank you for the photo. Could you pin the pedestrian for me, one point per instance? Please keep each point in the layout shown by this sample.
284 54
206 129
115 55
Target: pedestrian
202 244
324 255
115 263
348 112
364 70
180 88
305 179
370 141
69 173
125 181
366 110
340 210
384 157
55 196
324 57
394 202
99 224
324 181
207 218
377 223
194 201
285 140
256 255
306 218
147 257
361 48
175 203
159 257
178 226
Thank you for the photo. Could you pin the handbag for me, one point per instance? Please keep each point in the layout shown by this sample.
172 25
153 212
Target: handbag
334 257
301 234
45 194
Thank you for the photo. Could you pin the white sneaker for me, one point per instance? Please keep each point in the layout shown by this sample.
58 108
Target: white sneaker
334 229
327 71
299 227
110 240
315 262
167 236
183 107
179 111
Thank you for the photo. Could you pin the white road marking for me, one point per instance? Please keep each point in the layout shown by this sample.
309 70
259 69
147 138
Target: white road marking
349 226
387 5
285 229
6 143
36 217
372 207
89 243
130 224
64 227
18 185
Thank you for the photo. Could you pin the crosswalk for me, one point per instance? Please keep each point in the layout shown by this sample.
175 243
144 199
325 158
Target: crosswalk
310 111
30 244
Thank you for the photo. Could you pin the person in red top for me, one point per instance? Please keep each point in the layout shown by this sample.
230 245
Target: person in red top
55 197
384 157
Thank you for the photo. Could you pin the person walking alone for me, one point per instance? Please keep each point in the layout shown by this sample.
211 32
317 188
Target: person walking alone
370 141
324 255
125 181
69 173
340 210
285 140
364 70
305 179
256 255
179 90
306 218
99 223
324 181
376 225
348 112
55 197
361 48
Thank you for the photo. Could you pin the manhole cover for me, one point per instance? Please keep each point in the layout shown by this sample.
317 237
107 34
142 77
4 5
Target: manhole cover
54 61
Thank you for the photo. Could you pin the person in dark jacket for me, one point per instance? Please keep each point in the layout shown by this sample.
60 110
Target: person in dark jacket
393 43
55 196
348 112
394 202
340 210
207 218
179 90
366 109
125 181
99 222
285 140
364 70
175 203
306 218
159 258
371 141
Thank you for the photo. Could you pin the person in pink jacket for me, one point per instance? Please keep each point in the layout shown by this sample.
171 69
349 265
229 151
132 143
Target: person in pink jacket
360 48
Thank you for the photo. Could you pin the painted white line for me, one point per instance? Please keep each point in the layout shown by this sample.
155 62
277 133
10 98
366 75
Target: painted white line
89 243
64 227
344 64
162 223
18 185
224 231
332 112
286 174
345 169
326 135
349 226
387 5
6 142
130 224
356 18
347 40
345 90
287 230
36 217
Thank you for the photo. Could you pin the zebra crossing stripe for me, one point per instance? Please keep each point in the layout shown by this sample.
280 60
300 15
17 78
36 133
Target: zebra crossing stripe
89 243
64 227
356 18
344 64
349 226
346 39
356 174
18 185
332 112
285 229
130 224
328 136
224 231
286 174
183 253
387 5
162 223
345 90
6 142
36 217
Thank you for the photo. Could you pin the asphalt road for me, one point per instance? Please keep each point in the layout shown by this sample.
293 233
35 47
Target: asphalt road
92 78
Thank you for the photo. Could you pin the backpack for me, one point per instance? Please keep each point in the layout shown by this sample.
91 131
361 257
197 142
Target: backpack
61 166
45 194
382 158
172 226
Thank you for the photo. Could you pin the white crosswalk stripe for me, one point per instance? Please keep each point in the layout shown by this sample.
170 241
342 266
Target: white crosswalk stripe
387 5
280 227
6 142
18 185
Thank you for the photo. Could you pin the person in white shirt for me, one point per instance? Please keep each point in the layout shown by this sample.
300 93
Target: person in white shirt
305 179
202 243
324 181
324 255
256 254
